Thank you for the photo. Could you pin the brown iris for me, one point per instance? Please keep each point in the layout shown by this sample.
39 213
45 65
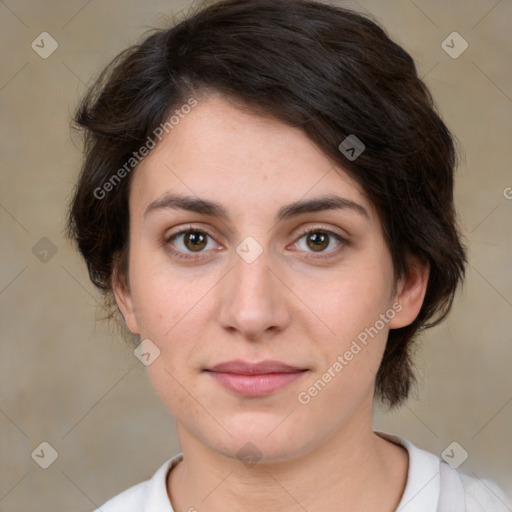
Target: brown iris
194 240
320 240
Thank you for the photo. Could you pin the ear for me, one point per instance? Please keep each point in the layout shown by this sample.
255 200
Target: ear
123 297
411 291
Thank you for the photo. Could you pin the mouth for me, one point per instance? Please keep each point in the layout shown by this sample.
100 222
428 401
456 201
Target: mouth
255 379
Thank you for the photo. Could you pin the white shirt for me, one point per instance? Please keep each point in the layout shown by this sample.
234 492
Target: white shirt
432 486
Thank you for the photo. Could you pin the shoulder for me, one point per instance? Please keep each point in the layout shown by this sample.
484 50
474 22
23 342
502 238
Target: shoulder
435 486
130 500
460 491
484 495
150 495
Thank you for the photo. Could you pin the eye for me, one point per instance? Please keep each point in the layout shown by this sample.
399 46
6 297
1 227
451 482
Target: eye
189 241
318 240
186 242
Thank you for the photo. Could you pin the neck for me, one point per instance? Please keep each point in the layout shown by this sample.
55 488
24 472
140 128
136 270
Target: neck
354 470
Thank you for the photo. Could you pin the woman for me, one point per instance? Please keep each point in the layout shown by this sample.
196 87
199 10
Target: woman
267 198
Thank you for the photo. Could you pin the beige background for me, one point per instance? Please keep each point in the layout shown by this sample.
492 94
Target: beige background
68 379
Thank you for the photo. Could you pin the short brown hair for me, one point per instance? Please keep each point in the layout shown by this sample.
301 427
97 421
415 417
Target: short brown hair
327 70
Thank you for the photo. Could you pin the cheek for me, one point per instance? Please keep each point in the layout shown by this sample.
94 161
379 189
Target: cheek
162 297
172 310
347 303
351 307
177 391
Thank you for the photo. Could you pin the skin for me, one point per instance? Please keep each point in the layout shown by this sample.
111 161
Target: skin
288 305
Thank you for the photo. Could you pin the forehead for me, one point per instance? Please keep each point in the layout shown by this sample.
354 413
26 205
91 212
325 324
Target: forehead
220 152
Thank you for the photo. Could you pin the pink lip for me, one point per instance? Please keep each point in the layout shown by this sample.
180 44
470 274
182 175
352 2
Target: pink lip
255 379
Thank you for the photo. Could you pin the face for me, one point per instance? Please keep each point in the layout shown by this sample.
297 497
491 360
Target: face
284 275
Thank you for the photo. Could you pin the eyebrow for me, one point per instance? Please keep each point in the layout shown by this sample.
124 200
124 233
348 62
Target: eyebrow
214 209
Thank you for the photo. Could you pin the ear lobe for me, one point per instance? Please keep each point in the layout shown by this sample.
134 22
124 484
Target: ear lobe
411 291
122 295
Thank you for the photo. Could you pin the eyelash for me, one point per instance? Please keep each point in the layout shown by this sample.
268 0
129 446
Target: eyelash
317 229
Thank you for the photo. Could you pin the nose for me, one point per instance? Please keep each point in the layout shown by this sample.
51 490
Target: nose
254 300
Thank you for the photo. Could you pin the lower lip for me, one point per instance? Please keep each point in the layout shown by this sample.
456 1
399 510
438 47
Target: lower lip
255 385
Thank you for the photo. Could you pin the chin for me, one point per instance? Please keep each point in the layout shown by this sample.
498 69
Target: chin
261 442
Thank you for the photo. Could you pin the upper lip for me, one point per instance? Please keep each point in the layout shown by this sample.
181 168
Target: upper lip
261 368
